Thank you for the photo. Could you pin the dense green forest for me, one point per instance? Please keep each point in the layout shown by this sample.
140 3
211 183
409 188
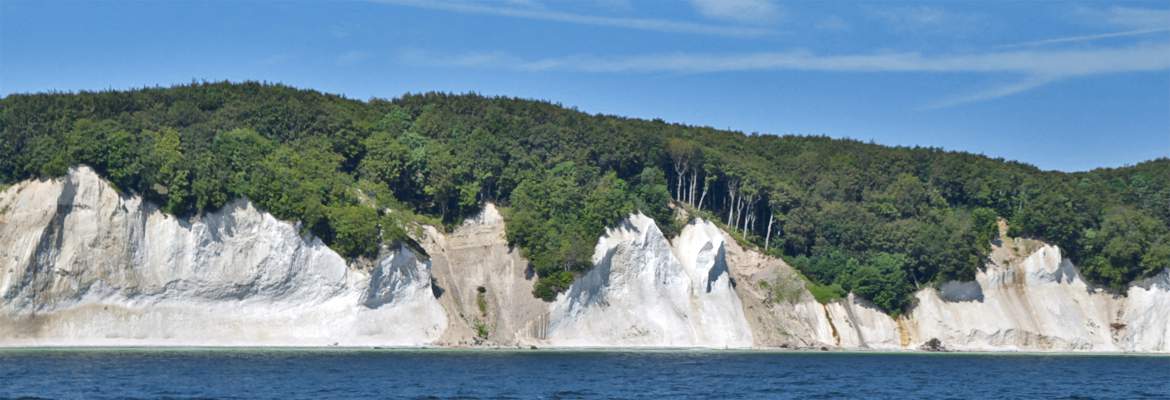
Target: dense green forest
875 220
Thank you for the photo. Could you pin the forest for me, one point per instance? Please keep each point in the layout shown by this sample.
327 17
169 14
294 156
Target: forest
857 217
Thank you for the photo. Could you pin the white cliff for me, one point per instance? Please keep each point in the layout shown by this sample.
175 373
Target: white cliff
83 265
642 292
1039 301
1028 298
860 325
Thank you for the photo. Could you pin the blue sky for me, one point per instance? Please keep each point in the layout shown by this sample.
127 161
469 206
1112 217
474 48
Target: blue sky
1062 85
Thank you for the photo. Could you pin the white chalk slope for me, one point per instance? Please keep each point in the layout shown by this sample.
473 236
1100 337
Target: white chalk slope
82 265
1033 300
644 293
1042 302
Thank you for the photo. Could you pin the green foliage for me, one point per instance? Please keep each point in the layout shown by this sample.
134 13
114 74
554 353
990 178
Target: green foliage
481 330
106 147
825 293
165 174
652 197
608 202
877 221
385 160
783 289
552 283
238 152
882 279
1129 245
481 300
556 216
355 230
985 225
1054 215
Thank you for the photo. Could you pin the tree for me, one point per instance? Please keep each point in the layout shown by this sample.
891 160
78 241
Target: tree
238 153
394 122
911 197
780 199
1052 215
881 279
709 178
652 197
355 231
164 170
551 229
385 160
1129 245
681 152
609 202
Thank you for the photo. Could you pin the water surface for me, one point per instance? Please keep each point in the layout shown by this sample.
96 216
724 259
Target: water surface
409 374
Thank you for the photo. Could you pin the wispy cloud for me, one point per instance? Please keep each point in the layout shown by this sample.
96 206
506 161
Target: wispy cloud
992 93
1148 57
544 14
748 11
1135 21
1085 38
1036 67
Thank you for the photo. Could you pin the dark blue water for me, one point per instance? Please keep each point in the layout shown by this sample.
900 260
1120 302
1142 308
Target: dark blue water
342 374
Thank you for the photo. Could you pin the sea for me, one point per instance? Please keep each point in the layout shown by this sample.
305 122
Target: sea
286 374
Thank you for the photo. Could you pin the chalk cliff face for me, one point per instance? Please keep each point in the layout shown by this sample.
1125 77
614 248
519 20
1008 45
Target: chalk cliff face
484 285
1028 298
1040 301
643 292
81 264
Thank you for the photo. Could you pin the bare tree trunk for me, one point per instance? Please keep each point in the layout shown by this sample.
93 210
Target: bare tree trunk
747 216
704 196
744 213
749 205
731 209
751 213
768 236
731 187
738 213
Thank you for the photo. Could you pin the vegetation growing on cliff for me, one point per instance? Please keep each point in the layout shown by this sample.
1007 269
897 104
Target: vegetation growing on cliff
878 221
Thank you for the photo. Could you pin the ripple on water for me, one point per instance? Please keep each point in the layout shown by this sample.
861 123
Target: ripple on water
313 374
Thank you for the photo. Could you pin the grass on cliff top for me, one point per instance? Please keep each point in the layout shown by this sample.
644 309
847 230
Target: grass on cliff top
824 293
